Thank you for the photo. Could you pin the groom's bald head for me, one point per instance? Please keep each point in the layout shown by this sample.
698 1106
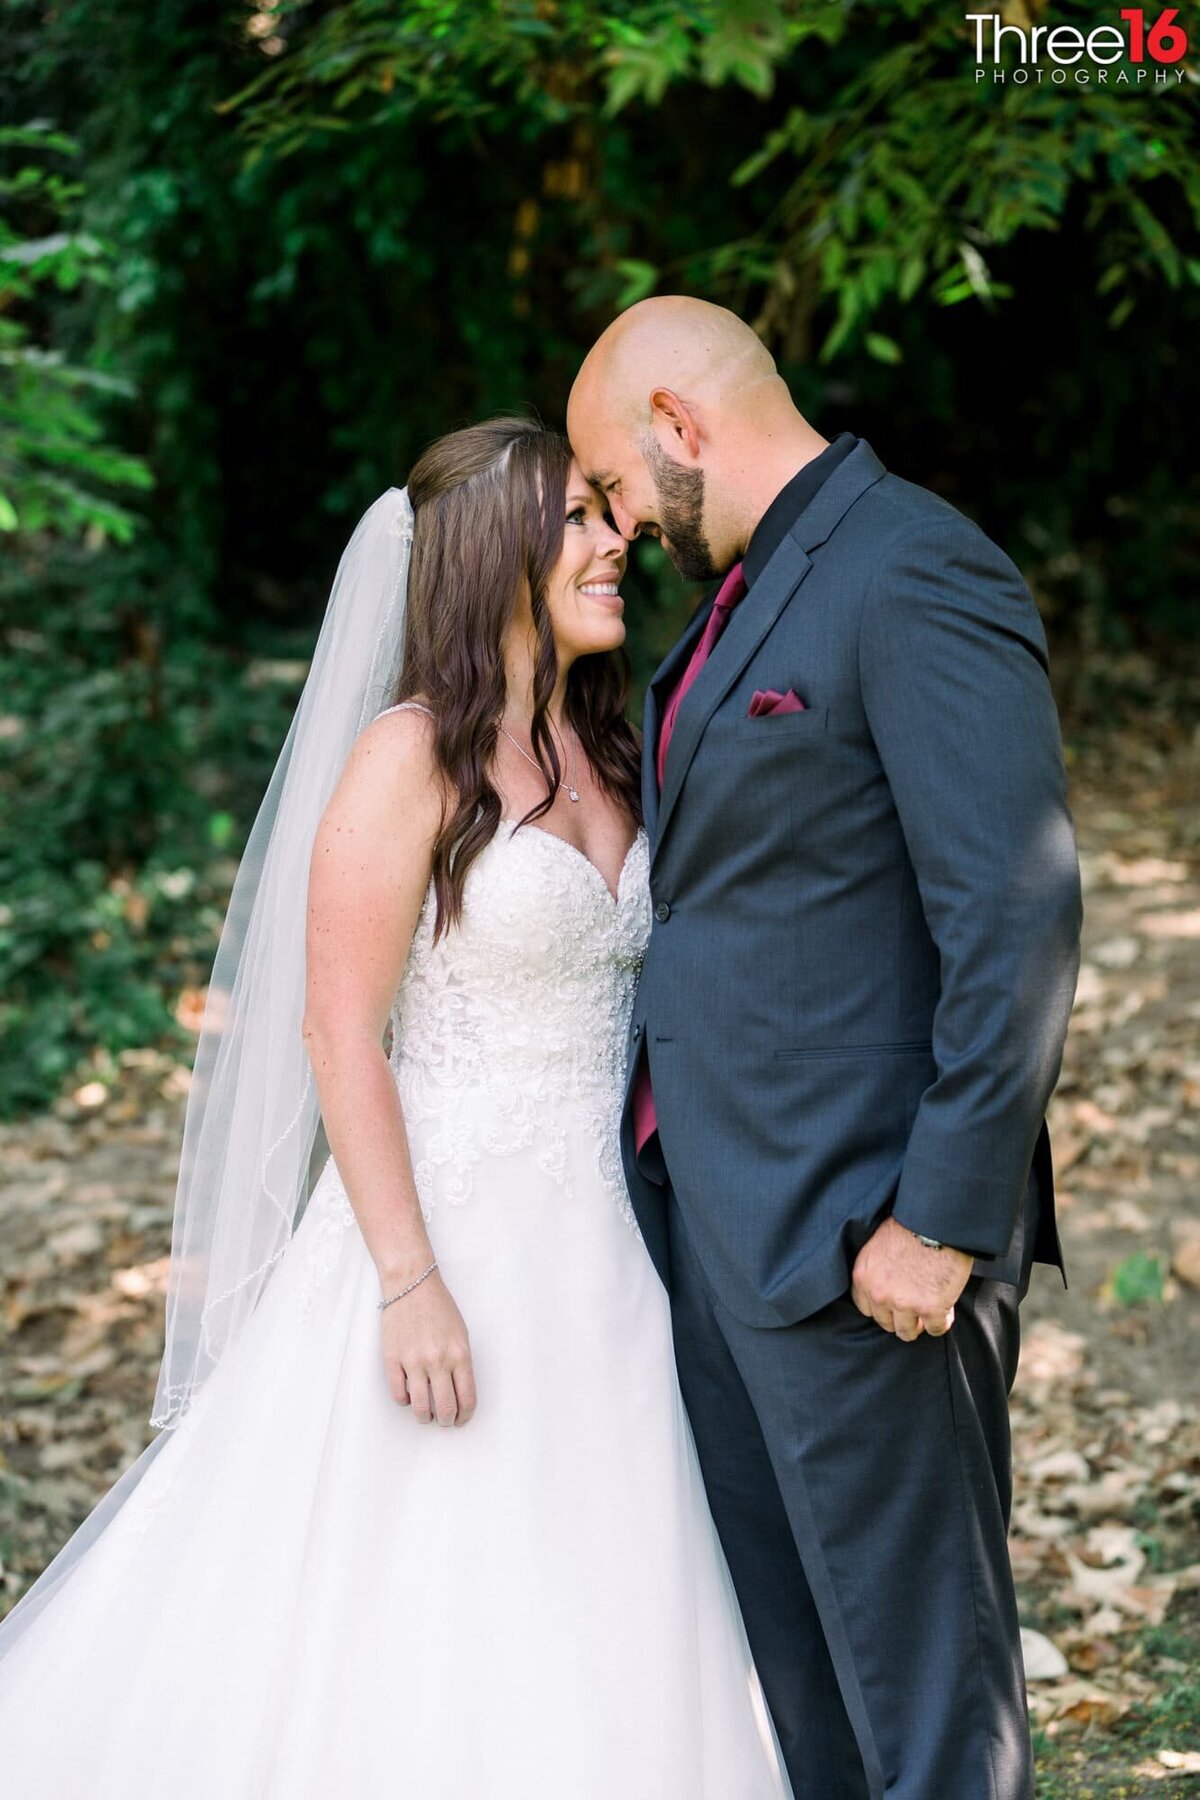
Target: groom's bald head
690 346
676 412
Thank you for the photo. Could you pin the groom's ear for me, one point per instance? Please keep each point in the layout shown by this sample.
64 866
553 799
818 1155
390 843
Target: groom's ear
672 419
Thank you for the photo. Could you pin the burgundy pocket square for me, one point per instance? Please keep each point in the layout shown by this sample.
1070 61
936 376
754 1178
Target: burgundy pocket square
767 702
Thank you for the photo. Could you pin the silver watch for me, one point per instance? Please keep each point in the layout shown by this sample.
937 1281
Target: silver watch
929 1243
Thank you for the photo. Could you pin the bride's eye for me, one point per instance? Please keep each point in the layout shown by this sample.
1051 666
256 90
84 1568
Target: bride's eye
578 517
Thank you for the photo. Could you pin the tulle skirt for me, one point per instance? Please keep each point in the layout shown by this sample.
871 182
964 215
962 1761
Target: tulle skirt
310 1596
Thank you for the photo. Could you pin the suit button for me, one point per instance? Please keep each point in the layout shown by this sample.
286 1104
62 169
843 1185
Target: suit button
637 1031
662 912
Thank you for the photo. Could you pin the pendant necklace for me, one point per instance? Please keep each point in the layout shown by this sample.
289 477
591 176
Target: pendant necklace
573 793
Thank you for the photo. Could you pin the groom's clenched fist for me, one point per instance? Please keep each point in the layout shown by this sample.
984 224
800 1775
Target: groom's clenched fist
904 1285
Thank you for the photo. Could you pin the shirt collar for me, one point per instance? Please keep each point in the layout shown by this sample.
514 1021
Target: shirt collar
789 503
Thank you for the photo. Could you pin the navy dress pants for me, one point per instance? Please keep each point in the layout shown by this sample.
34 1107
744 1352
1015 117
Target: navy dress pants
861 1489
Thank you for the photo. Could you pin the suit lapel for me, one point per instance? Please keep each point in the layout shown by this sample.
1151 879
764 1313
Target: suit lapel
745 631
661 684
750 623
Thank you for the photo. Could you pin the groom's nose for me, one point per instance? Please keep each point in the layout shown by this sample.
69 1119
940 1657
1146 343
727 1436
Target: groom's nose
623 519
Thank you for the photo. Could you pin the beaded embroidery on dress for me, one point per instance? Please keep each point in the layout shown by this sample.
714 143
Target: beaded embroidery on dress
529 1608
532 1011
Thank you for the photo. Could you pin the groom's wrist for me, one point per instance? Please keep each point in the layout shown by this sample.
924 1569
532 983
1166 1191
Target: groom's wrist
934 1240
936 1243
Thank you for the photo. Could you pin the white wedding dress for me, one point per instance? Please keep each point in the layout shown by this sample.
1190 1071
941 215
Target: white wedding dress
309 1595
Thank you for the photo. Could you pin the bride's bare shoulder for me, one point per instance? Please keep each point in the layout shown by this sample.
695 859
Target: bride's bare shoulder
406 729
393 760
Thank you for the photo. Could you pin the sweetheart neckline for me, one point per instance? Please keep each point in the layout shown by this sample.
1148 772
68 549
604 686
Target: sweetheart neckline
507 819
582 856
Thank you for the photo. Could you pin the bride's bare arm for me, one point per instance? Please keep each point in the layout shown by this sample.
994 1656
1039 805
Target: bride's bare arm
370 870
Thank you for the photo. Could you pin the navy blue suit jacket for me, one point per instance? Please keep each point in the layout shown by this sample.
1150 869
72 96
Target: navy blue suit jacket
865 946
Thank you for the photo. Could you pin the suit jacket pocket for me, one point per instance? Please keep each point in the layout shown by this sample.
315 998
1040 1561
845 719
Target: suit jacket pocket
775 728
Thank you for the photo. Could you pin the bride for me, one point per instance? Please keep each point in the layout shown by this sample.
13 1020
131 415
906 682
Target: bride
425 1517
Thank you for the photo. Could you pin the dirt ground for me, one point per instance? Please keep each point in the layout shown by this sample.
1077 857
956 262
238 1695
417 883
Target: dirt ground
1106 1413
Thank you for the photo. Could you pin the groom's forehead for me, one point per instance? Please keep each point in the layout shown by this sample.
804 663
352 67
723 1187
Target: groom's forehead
604 457
601 438
591 418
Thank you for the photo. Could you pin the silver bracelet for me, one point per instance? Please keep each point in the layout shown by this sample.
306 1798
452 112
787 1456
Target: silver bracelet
424 1276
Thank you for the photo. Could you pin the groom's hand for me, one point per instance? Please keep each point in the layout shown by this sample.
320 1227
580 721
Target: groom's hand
904 1285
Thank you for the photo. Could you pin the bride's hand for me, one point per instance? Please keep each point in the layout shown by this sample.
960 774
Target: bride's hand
427 1355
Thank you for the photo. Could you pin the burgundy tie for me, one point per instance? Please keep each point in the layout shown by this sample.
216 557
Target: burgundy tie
733 588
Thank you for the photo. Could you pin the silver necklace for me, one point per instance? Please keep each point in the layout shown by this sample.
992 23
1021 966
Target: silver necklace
573 793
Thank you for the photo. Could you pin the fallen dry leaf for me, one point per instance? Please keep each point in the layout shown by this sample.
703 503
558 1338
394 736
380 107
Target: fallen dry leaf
1185 1255
1182 1762
1044 1661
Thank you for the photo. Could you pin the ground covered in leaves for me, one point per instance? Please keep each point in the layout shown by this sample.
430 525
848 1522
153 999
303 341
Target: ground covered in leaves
1106 1413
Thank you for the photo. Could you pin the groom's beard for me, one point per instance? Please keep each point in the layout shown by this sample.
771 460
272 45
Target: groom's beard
681 514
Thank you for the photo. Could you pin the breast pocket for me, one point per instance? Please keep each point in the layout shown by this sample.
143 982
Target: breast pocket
782 728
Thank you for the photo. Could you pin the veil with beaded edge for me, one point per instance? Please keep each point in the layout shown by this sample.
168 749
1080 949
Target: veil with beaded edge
252 1108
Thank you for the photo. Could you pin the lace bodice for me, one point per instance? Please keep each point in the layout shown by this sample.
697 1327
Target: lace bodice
510 1031
521 1011
533 989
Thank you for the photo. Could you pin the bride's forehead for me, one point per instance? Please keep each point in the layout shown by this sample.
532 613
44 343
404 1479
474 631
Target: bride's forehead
580 488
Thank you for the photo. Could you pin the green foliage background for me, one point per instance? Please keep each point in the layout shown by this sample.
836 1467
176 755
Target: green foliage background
252 257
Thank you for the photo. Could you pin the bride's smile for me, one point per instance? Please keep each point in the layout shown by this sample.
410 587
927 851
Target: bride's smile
583 596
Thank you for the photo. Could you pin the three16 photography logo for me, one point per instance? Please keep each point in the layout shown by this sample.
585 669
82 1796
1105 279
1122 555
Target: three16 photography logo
1149 46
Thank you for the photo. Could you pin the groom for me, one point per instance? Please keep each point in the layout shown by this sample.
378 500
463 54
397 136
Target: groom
850 1019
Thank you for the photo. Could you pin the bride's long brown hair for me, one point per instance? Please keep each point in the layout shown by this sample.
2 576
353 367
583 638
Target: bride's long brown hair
488 511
